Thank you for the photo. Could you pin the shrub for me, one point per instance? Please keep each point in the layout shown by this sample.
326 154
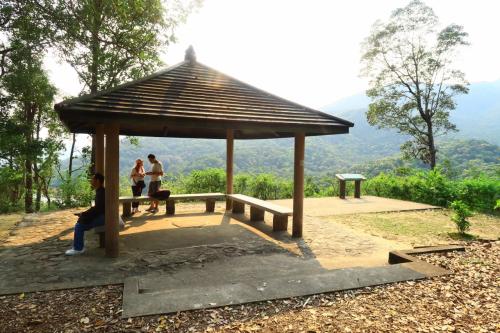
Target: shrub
460 214
75 192
434 188
479 194
208 180
265 186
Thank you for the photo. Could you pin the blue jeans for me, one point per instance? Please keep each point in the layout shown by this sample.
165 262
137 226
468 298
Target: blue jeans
78 238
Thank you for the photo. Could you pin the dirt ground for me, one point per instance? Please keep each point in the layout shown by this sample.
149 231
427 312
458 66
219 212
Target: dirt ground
466 301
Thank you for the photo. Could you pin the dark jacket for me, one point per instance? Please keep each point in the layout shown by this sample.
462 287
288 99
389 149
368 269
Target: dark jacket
98 209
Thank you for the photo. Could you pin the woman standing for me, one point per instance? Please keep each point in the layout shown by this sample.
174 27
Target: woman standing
137 176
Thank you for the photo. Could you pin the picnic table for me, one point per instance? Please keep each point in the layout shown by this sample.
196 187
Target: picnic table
357 178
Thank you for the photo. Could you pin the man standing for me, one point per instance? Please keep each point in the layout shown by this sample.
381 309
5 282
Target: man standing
155 183
91 218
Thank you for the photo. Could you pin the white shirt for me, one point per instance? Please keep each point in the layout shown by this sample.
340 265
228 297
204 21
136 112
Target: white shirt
136 177
157 167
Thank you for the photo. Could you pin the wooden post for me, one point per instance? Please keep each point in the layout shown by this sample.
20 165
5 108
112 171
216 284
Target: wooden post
210 205
229 166
238 207
170 207
127 209
298 185
342 189
357 189
99 149
112 189
280 222
256 214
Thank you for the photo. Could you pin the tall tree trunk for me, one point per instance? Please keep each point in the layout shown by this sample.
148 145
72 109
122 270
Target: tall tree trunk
36 170
71 156
69 175
432 147
38 198
28 185
28 162
46 183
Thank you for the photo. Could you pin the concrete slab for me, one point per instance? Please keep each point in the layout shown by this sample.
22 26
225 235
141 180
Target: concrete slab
328 206
221 284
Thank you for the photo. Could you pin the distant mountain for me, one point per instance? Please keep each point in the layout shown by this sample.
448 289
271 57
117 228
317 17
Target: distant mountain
477 115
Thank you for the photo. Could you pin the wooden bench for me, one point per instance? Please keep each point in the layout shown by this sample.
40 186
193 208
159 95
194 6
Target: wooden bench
257 209
357 178
209 198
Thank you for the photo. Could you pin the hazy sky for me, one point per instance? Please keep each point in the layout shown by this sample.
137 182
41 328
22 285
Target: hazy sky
309 51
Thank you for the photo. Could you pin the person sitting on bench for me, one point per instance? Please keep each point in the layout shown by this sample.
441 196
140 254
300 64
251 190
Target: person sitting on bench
91 218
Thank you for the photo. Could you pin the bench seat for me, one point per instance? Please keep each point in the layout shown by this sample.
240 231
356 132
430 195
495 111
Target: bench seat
209 198
257 209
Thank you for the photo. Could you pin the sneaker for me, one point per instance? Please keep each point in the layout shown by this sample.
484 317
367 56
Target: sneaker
73 252
154 210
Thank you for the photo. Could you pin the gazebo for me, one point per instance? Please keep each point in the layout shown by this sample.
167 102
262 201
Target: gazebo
191 100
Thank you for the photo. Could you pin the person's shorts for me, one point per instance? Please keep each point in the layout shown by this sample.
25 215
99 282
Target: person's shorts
154 187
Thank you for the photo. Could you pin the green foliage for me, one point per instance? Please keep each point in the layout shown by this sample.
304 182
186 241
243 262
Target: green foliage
433 187
412 83
208 180
109 42
11 185
460 214
264 186
75 192
29 129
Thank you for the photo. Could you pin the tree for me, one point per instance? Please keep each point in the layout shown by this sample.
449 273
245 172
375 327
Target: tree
412 82
28 99
108 42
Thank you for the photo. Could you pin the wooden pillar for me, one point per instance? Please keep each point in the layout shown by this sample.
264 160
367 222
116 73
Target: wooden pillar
357 189
99 149
298 185
342 189
112 189
229 166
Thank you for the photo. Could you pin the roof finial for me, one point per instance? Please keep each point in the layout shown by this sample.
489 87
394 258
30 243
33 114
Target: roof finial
190 54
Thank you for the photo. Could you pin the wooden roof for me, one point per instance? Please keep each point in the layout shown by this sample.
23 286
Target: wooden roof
193 100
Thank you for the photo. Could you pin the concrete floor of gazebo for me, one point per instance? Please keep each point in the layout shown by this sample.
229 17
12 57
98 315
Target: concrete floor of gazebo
32 259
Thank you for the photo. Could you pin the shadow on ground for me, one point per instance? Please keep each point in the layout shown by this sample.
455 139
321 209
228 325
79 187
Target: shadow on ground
31 258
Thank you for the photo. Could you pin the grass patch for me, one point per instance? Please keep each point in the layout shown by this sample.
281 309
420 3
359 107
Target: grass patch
420 227
463 237
7 223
